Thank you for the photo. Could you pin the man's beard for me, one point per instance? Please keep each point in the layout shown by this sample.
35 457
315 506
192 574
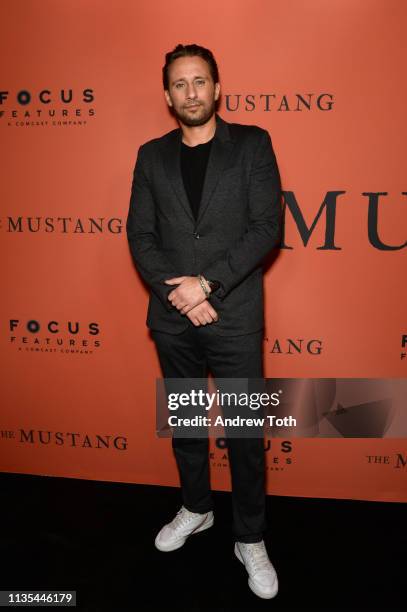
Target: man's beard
192 120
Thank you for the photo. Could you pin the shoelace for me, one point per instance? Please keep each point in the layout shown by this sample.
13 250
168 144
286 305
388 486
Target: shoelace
258 556
182 518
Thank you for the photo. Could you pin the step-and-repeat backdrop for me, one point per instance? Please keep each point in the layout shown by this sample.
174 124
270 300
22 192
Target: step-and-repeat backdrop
80 90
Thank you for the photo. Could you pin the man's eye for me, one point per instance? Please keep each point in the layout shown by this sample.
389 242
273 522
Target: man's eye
201 82
178 85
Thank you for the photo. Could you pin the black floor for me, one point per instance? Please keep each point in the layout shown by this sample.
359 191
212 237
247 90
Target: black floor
97 538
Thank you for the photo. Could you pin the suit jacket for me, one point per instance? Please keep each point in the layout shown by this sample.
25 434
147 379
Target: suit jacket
239 222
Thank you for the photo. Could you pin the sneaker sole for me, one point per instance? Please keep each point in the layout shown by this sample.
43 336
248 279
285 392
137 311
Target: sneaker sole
181 542
253 586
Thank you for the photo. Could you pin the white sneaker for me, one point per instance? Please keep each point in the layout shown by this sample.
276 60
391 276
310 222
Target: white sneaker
185 523
262 575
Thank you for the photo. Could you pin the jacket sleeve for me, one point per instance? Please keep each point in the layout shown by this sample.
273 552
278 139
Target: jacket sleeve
153 266
264 227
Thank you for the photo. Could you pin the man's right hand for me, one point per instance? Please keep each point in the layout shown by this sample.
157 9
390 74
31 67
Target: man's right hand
203 314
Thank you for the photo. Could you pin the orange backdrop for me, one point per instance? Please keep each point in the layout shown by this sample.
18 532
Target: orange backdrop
327 79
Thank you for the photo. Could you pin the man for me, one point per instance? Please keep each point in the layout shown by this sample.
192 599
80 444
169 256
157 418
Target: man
204 213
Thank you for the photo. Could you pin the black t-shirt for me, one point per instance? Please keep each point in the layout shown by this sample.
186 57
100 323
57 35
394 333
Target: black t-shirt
194 161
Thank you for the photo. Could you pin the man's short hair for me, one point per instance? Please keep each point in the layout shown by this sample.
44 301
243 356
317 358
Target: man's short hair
190 51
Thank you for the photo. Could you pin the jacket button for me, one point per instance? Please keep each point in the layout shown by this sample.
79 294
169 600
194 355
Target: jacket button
196 235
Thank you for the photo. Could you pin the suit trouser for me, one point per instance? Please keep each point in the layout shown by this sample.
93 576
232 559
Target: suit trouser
190 355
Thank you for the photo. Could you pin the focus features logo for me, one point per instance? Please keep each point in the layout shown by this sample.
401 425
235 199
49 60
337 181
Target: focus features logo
47 107
278 454
55 337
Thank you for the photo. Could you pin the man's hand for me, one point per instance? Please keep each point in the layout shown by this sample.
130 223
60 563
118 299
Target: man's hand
187 295
203 314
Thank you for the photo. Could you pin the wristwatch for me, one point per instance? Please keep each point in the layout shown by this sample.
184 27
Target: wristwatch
214 285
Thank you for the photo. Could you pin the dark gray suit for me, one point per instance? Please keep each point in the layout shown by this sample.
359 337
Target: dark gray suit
238 224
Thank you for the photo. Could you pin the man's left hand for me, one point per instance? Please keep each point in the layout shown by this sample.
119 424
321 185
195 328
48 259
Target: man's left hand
187 295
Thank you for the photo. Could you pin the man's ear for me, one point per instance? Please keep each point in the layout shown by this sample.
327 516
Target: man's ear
217 90
167 97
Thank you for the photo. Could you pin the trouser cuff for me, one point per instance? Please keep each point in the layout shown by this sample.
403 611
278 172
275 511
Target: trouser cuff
249 539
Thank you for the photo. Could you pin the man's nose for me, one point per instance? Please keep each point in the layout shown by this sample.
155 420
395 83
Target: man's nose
191 91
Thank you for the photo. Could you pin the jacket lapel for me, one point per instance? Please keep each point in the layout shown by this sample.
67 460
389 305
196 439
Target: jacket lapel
219 156
172 163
